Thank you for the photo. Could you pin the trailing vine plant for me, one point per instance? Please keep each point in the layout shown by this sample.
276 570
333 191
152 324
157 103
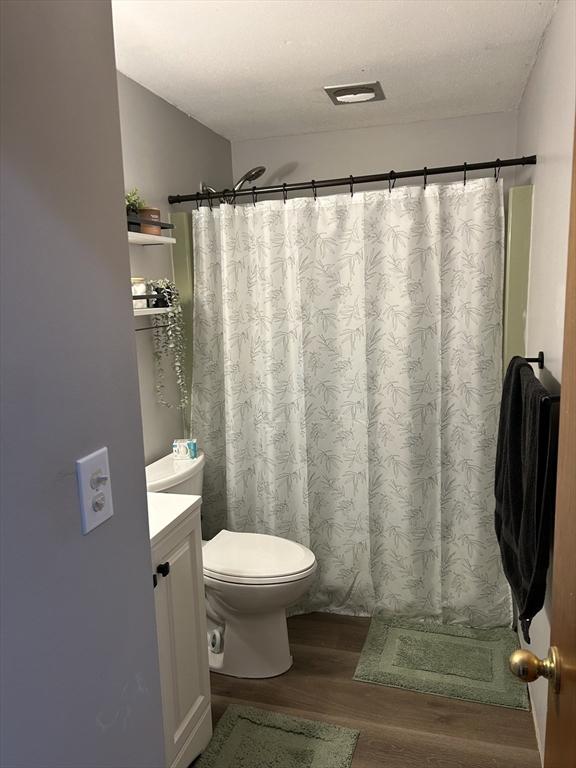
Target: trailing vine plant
169 344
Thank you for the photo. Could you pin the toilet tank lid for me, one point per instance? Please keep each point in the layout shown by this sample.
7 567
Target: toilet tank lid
255 556
168 471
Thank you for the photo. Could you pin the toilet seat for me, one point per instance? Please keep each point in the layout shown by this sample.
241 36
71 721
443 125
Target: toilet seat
255 558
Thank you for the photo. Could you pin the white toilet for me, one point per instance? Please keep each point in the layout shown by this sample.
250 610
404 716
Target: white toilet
170 475
250 580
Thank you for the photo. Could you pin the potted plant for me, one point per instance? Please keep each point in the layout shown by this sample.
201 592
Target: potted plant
134 202
169 341
136 206
164 291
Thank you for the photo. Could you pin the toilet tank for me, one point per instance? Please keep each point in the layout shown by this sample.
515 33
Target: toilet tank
170 475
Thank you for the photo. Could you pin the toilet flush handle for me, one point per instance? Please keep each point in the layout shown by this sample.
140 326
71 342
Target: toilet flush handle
163 569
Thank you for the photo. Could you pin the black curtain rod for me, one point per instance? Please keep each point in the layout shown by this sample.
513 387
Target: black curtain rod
350 181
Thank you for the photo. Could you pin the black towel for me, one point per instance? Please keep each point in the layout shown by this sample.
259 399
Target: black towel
525 487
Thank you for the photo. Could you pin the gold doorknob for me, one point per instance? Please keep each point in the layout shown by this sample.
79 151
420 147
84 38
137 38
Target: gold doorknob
528 667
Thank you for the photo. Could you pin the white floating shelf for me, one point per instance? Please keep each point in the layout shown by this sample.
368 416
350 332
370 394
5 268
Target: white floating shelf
139 238
151 311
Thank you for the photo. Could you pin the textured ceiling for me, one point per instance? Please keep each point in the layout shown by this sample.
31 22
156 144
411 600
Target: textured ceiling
256 68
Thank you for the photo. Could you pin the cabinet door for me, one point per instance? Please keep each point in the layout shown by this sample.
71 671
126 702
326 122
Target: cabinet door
182 641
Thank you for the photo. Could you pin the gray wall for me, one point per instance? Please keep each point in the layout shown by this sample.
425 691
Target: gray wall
546 126
80 681
164 152
380 149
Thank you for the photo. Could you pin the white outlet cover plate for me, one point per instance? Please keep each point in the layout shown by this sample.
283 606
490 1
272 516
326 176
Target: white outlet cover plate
86 468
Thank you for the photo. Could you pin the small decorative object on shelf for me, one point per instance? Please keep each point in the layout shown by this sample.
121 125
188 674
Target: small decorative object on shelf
150 215
139 289
142 218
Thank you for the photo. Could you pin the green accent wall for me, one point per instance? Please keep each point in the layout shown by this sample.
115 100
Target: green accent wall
183 264
517 269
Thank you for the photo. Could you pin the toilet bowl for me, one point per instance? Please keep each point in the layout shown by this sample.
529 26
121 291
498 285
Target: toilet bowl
249 578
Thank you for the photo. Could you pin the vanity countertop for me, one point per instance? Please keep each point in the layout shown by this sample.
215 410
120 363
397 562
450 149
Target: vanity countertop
167 510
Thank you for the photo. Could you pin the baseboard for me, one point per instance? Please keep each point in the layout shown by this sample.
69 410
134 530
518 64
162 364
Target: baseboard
536 730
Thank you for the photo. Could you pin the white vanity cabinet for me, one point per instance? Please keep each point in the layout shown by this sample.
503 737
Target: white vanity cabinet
176 542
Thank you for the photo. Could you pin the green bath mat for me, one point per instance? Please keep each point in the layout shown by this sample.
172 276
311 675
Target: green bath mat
256 738
443 659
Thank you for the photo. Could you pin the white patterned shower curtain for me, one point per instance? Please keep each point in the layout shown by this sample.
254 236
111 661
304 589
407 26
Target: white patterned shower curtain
346 386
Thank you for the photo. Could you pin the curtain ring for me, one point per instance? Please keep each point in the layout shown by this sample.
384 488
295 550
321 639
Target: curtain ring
351 185
497 169
465 172
425 176
314 189
391 181
284 193
254 196
197 205
210 201
234 199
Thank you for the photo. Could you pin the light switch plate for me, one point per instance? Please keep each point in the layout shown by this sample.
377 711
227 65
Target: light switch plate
94 489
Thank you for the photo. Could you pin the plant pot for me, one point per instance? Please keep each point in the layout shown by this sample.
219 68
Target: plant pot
150 213
133 226
163 298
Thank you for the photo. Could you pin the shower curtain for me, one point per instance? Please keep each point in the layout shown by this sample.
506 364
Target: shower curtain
346 386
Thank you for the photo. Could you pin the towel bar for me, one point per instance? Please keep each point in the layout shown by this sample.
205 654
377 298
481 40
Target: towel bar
539 359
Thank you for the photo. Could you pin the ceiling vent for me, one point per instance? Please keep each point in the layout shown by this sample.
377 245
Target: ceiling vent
356 93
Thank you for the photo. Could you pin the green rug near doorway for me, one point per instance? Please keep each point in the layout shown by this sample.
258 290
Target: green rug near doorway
442 659
246 737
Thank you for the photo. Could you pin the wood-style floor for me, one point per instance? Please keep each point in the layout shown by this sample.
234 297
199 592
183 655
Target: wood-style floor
398 729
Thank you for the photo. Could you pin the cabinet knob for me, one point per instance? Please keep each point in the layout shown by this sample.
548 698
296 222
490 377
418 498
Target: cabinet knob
163 569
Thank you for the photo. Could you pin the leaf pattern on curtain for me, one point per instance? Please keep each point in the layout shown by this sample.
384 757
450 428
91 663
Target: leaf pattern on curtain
346 387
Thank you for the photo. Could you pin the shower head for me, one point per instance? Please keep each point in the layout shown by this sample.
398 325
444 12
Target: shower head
251 175
206 188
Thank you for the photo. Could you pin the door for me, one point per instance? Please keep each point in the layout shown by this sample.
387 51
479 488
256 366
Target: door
561 722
